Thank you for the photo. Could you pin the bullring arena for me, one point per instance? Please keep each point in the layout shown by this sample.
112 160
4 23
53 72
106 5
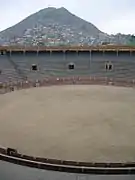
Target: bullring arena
70 121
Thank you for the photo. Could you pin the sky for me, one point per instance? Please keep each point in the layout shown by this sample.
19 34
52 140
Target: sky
110 16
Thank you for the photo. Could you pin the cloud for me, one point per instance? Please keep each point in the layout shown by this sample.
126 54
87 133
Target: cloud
110 16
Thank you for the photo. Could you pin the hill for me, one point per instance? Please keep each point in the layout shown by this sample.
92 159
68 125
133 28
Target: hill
55 22
57 26
49 16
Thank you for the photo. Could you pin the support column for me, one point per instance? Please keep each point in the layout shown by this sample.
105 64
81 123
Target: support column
37 52
130 52
10 53
50 53
24 52
64 58
77 55
90 59
117 53
103 52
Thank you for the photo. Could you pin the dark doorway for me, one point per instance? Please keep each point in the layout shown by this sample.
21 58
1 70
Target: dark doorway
71 66
34 67
2 52
108 66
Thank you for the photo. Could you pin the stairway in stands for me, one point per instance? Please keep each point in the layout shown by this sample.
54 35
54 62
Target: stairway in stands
8 73
20 72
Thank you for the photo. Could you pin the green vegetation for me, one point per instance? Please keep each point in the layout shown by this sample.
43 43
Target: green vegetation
131 41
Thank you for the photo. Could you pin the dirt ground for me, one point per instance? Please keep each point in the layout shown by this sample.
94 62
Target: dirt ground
85 123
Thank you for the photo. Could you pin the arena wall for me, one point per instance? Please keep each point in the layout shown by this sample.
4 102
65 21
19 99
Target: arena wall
12 156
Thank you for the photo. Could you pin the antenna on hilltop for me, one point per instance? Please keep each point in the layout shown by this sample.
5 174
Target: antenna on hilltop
49 5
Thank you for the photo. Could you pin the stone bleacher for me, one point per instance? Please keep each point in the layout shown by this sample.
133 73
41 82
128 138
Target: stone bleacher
18 65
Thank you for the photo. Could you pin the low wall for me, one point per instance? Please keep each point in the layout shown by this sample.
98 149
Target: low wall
67 166
12 156
68 48
18 85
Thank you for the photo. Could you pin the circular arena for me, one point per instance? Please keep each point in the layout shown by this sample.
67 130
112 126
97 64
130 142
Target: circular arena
72 124
90 123
80 124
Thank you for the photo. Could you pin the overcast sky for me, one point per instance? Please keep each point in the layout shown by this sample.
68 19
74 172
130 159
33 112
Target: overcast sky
110 16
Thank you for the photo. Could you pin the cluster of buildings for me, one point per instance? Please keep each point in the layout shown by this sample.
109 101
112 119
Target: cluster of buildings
52 35
60 35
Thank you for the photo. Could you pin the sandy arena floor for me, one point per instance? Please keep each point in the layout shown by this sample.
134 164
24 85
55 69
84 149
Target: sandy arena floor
85 123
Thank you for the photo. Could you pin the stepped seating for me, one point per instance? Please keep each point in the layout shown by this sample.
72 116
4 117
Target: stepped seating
8 72
80 59
19 65
123 65
50 62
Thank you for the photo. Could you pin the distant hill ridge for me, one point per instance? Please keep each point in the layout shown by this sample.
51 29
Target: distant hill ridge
58 26
51 15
